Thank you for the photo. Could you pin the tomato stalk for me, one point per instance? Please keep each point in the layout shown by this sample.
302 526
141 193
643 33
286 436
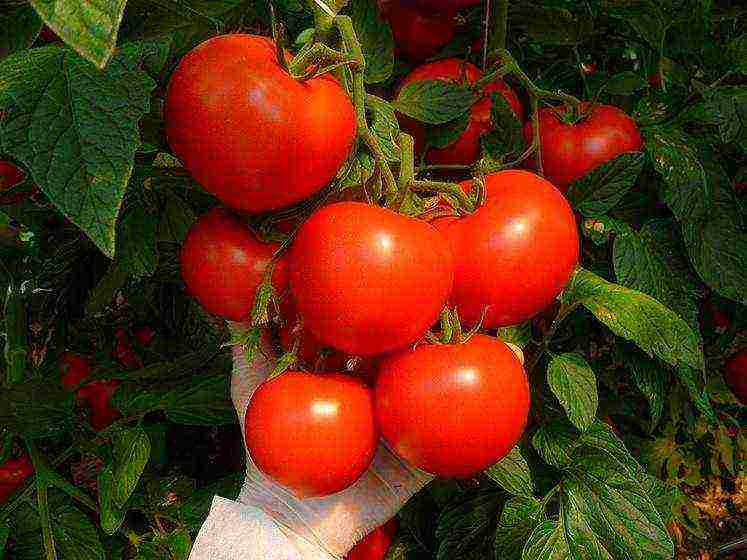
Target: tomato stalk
15 336
302 65
496 18
406 169
452 189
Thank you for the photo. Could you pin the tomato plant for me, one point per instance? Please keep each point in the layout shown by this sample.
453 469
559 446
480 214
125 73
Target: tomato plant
314 433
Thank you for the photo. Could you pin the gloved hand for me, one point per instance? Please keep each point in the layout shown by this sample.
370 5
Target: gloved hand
325 527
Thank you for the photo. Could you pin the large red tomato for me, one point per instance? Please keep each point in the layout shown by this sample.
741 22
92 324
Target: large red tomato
466 149
13 473
736 376
313 433
10 175
514 254
376 544
223 264
570 151
367 280
418 34
453 409
251 134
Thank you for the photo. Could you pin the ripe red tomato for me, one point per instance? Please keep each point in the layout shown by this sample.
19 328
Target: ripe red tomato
313 433
10 175
570 151
588 68
74 368
13 473
251 134
123 350
376 544
514 254
418 34
97 396
367 280
144 335
736 376
453 409
466 149
223 264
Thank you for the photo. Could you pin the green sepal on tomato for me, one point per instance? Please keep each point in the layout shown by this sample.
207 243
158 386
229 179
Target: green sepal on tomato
249 132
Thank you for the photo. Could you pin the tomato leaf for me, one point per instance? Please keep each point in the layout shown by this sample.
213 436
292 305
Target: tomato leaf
179 544
204 403
75 128
650 378
446 134
466 527
512 474
547 542
434 101
176 218
554 441
75 535
19 26
635 316
110 515
727 108
131 453
574 384
89 26
376 40
550 25
625 83
600 190
518 518
384 125
36 409
136 242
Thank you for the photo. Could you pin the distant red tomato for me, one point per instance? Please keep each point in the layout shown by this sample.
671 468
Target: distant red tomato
97 396
419 34
312 433
367 280
249 132
223 264
588 68
144 335
736 375
570 151
453 409
515 254
123 350
74 368
375 545
13 473
466 149
10 175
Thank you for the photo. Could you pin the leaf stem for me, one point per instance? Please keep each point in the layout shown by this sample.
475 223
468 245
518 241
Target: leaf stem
499 18
406 168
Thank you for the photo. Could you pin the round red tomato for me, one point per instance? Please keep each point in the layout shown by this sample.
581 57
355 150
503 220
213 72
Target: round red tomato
13 473
736 376
10 175
251 134
312 433
466 149
453 409
74 368
516 253
223 264
376 544
419 34
570 151
367 280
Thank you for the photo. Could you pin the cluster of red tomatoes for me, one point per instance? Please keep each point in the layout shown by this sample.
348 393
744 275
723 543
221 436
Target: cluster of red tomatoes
361 284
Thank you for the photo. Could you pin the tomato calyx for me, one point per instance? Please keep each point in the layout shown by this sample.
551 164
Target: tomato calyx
451 331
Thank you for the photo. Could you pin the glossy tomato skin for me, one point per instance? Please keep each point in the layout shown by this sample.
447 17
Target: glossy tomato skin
376 544
514 254
222 264
418 34
570 151
251 134
10 175
736 376
312 433
455 409
13 473
367 280
466 149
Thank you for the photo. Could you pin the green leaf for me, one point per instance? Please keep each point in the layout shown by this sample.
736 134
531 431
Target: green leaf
642 264
136 242
376 40
554 441
131 454
650 378
444 135
635 316
384 125
520 335
737 49
551 25
608 514
518 518
4 534
111 516
547 542
19 26
727 108
648 21
466 527
176 219
434 101
75 535
179 543
193 511
89 26
404 548
574 384
204 403
512 474
600 190
36 409
687 189
357 171
625 83
75 128
507 137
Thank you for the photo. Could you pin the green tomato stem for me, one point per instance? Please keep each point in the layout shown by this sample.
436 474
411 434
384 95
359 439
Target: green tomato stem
443 187
406 169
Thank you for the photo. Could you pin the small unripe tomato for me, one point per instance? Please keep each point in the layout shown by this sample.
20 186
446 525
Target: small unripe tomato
736 375
453 409
376 544
223 264
312 433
